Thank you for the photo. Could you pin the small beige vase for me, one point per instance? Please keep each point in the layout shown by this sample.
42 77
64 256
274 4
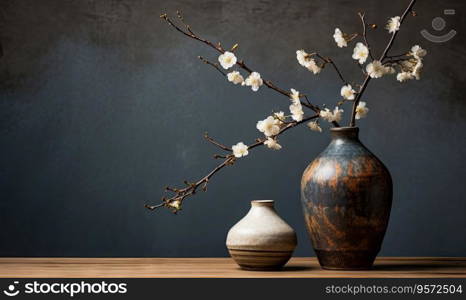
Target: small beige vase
261 240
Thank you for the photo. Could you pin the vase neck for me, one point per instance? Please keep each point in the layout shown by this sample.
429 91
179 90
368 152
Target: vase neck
259 203
345 133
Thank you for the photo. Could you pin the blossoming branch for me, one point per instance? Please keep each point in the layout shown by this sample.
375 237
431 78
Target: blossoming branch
406 66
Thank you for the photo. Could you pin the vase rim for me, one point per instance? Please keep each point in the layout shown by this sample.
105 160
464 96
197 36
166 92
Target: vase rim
262 202
345 129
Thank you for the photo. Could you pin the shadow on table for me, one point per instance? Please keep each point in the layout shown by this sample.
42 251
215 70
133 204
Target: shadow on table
284 269
296 268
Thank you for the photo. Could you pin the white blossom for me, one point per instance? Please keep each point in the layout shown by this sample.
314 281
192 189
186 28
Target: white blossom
411 69
254 80
296 110
279 116
339 38
326 114
330 116
375 69
408 64
305 60
240 150
404 76
418 52
393 24
360 53
389 70
314 126
337 114
313 67
361 110
272 144
417 69
176 204
269 126
235 77
347 92
294 96
302 57
227 60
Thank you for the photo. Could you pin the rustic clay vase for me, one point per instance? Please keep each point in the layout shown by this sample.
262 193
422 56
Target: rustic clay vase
346 194
261 240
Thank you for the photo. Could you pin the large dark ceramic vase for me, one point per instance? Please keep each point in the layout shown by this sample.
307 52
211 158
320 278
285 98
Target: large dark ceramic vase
346 195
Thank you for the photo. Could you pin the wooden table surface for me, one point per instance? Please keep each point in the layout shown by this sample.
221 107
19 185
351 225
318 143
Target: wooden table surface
298 267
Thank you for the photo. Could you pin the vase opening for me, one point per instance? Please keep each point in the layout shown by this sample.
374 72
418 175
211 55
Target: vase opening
345 132
262 203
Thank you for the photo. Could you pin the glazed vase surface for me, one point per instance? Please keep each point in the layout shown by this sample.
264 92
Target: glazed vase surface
346 194
261 240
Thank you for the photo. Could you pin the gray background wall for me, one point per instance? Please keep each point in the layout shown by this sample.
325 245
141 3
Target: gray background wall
102 105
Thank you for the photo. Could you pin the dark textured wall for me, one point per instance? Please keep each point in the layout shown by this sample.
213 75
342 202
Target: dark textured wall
102 105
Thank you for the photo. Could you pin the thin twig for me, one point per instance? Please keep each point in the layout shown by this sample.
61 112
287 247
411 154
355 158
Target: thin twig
328 60
180 17
307 100
181 194
364 33
361 67
382 57
216 66
220 49
221 146
356 101
395 56
394 60
307 104
190 34
390 43
153 207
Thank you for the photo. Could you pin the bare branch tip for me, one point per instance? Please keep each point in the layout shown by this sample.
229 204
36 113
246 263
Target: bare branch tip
153 207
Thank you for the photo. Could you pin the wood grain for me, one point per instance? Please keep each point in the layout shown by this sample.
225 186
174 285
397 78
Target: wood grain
298 267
